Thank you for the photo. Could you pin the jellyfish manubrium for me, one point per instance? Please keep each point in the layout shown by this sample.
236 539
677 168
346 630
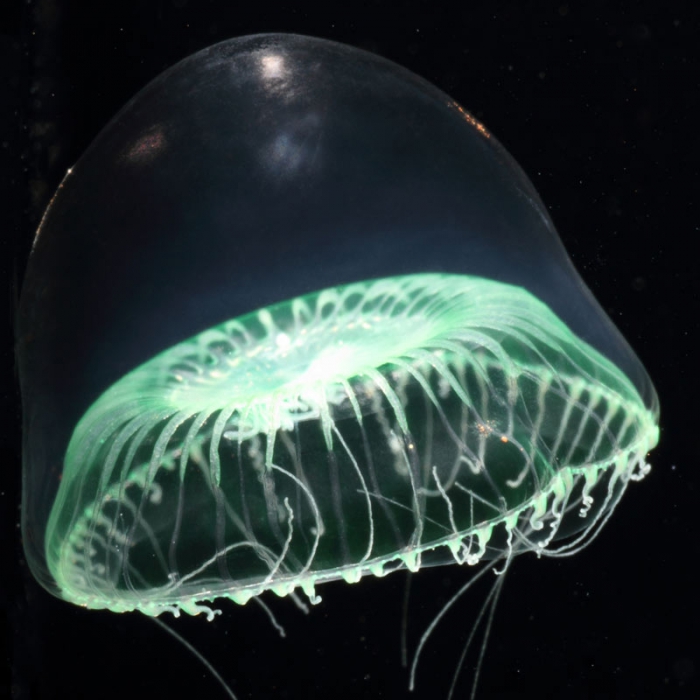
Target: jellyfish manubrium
296 316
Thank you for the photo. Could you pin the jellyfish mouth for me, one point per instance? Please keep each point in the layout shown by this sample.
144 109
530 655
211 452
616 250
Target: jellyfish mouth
326 352
358 429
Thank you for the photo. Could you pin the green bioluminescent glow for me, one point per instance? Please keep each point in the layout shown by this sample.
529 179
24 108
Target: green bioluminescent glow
381 425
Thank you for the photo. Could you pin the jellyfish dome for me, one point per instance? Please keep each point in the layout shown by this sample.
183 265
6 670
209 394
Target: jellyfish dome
297 316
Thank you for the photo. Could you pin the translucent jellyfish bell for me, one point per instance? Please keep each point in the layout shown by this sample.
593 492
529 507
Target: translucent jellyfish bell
297 316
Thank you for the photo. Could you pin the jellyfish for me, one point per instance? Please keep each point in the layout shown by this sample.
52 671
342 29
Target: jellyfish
296 316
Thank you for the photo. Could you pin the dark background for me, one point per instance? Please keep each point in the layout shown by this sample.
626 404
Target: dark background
599 102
